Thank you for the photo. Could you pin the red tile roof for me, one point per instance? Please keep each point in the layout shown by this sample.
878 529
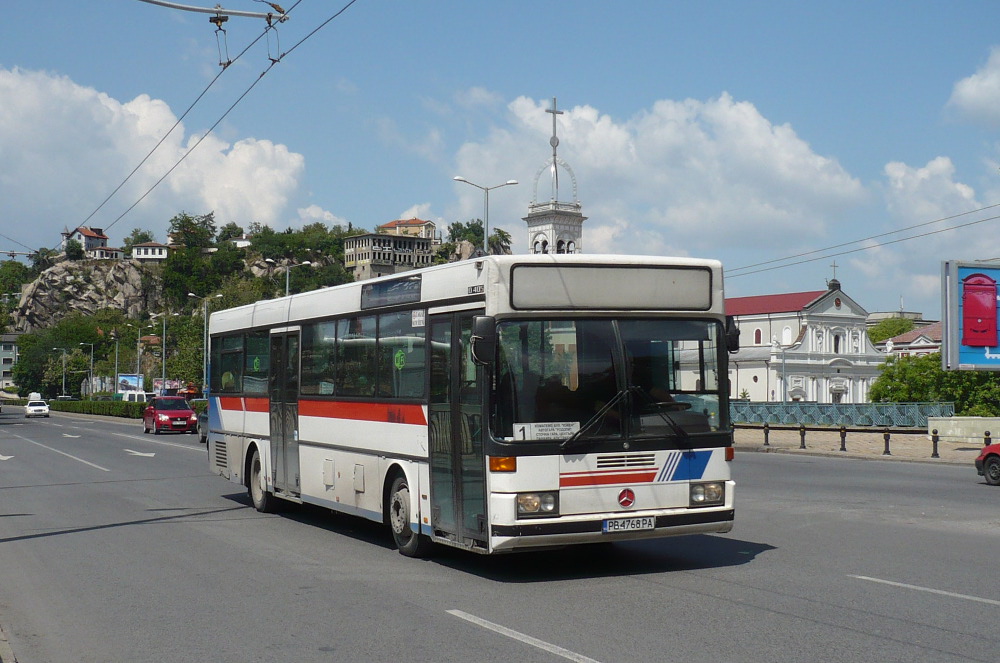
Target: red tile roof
761 304
931 331
87 231
404 222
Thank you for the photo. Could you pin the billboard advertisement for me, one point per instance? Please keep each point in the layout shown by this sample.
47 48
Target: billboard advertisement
129 382
969 298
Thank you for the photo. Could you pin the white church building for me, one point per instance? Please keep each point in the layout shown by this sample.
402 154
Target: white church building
802 346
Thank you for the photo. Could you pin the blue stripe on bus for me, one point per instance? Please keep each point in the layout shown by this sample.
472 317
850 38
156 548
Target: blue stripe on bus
693 466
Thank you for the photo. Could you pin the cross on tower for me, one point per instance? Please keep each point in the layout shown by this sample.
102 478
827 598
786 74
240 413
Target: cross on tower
554 142
834 265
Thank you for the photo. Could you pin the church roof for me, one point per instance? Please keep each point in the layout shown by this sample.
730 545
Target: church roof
763 304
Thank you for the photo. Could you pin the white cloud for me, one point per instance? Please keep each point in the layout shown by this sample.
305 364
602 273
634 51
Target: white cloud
684 177
65 147
315 213
978 96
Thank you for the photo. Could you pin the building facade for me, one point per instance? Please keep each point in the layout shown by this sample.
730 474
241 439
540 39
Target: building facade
89 238
412 227
804 346
914 343
150 252
379 254
8 357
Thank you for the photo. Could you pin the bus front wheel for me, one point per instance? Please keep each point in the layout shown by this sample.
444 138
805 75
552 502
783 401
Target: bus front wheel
263 500
407 541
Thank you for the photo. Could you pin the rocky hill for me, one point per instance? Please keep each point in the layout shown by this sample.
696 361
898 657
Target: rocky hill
87 287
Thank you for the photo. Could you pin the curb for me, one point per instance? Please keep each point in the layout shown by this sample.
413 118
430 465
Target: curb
6 653
847 454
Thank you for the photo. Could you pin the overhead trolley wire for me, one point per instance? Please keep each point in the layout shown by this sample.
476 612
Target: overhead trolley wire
867 248
273 61
743 271
176 124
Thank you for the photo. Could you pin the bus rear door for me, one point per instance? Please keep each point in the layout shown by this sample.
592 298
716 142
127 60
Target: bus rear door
283 389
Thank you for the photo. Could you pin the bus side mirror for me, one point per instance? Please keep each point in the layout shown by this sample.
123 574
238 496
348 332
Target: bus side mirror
732 334
484 339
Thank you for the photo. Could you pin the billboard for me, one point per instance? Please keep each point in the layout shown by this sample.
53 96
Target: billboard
969 302
129 382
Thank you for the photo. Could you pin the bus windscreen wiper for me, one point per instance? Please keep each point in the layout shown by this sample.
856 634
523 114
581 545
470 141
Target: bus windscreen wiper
594 420
677 429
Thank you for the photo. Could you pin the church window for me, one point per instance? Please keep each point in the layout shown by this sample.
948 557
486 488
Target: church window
836 344
786 336
756 336
561 247
537 248
570 247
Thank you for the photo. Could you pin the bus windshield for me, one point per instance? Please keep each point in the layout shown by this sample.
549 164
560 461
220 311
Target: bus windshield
574 380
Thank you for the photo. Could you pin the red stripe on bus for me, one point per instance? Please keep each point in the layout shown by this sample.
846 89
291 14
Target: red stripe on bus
244 404
600 479
257 404
386 412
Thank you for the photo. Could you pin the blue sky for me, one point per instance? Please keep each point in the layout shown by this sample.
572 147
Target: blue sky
748 132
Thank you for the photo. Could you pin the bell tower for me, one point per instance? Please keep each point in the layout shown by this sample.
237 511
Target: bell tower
555 226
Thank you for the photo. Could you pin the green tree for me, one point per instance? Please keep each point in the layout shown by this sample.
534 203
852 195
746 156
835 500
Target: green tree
499 242
13 275
193 231
889 328
137 236
229 231
42 259
470 232
74 250
921 379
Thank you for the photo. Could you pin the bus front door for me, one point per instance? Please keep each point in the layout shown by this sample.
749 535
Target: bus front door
283 389
458 474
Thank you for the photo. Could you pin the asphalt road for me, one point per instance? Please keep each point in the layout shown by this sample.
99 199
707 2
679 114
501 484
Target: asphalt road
119 546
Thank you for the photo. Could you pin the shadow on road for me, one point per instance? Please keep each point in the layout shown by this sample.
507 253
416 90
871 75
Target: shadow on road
681 553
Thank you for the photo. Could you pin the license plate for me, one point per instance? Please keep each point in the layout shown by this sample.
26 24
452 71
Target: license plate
629 524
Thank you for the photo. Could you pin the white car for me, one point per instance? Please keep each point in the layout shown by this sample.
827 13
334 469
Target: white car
36 409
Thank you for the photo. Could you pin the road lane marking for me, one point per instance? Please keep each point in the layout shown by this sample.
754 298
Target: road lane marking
39 444
527 639
150 440
139 453
930 590
5 457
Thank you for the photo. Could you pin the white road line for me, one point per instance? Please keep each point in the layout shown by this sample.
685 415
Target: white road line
85 462
152 440
527 639
965 597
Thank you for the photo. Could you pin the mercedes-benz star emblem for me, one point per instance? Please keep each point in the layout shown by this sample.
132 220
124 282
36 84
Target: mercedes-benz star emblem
626 498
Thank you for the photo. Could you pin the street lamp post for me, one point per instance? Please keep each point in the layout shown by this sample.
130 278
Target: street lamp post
288 268
486 205
64 369
138 353
90 380
204 338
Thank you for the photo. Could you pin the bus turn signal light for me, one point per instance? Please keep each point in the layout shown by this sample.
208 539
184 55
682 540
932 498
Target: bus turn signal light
503 463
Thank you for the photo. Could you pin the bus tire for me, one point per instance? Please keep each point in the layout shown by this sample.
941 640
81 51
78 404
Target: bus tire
262 499
408 542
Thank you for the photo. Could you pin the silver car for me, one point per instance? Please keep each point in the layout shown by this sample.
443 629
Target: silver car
36 409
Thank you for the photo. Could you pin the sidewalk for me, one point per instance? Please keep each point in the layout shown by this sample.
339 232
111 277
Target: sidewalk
913 447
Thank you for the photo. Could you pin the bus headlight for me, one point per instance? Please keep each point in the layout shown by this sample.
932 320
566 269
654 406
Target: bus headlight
712 493
537 505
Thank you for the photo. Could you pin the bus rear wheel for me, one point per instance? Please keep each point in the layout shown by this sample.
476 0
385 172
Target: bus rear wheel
263 500
408 542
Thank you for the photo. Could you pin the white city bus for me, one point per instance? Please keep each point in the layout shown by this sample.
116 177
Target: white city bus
496 404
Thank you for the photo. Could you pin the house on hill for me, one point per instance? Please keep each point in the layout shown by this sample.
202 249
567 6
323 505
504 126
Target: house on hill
802 346
89 238
412 227
914 343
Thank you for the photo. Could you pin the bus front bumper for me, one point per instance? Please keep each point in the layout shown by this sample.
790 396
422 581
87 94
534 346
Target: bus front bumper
567 532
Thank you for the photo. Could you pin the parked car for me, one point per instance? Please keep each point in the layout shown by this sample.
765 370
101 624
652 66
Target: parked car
36 409
203 426
169 413
988 464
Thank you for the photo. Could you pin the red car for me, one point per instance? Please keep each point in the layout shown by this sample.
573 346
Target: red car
169 413
988 464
